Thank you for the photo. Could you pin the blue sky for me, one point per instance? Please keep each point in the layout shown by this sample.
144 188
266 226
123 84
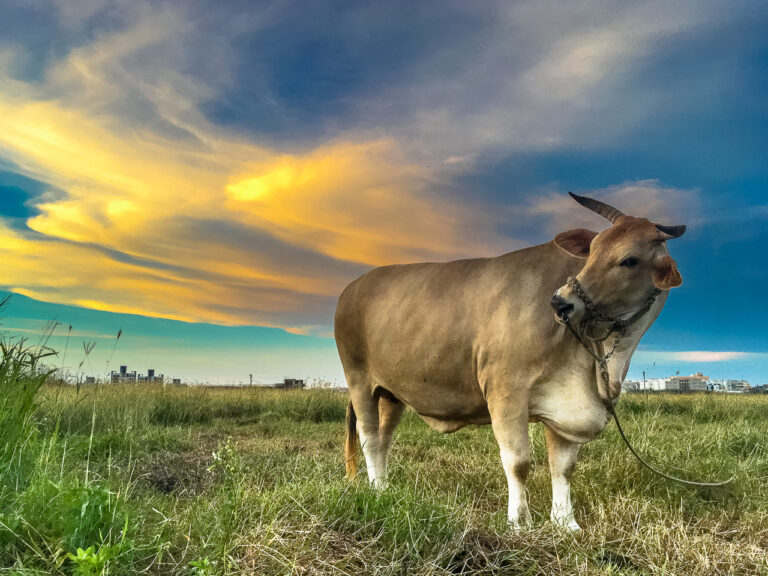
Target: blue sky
208 177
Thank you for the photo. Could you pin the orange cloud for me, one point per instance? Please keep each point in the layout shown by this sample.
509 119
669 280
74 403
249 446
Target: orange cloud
360 202
216 229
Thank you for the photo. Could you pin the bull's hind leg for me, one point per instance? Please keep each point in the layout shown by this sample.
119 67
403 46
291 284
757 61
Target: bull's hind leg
366 407
390 413
562 461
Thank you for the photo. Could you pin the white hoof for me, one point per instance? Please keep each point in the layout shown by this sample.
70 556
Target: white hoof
520 524
379 483
569 524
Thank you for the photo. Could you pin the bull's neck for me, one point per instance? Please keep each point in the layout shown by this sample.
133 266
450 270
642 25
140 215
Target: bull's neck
619 362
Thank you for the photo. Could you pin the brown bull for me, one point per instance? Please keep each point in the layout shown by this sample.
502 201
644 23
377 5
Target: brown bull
476 342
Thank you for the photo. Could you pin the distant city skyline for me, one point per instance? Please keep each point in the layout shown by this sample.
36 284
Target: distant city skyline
209 176
272 354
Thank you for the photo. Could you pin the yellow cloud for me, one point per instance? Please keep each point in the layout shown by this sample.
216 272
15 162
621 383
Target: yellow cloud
361 202
130 228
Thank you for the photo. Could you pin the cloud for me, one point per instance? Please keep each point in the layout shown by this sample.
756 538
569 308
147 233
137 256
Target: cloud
528 76
153 208
698 356
642 198
708 356
364 203
40 329
156 211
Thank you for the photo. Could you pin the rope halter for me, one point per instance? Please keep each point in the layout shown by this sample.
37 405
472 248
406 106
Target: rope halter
620 324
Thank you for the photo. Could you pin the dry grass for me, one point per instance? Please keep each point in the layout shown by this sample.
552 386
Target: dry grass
190 481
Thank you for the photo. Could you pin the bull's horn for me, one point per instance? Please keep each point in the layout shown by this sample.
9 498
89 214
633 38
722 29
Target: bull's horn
601 208
671 231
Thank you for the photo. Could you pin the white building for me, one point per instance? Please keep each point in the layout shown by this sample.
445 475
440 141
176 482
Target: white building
693 383
717 385
654 384
671 385
737 386
631 386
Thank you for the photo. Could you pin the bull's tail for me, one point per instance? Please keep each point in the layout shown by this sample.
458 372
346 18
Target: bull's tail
350 444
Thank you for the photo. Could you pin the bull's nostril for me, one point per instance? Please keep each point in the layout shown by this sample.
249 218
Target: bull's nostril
561 306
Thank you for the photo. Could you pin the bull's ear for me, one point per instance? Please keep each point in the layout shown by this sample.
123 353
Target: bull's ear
665 273
576 242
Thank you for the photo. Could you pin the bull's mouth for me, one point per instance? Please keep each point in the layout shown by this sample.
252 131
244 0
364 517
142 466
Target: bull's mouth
562 317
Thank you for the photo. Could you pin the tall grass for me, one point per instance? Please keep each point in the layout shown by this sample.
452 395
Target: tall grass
126 408
128 479
21 376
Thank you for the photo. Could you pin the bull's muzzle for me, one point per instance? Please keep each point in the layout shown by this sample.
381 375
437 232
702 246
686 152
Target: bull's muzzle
562 307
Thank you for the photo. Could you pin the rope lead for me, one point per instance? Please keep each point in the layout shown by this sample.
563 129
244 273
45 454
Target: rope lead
620 327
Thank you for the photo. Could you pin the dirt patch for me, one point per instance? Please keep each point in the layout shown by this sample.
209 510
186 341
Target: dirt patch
181 473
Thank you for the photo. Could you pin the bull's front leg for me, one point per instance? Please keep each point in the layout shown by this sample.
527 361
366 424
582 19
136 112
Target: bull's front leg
562 460
511 430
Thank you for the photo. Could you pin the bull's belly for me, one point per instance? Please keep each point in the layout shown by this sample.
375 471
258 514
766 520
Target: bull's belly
445 404
446 426
571 410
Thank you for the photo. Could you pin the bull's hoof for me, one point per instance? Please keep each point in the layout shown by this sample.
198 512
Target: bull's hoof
521 524
379 483
568 524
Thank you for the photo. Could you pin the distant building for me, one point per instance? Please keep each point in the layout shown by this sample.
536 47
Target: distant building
151 377
90 379
176 382
648 385
289 383
737 386
657 384
671 385
693 383
631 386
717 385
123 376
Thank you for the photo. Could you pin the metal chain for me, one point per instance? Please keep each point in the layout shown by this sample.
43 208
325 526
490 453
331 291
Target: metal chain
588 304
602 362
596 314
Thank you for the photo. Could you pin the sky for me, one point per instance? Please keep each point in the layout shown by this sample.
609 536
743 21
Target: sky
207 177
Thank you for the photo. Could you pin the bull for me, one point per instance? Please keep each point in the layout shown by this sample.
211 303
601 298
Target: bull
481 341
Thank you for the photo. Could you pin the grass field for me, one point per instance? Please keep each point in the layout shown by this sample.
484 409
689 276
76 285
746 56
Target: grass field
140 479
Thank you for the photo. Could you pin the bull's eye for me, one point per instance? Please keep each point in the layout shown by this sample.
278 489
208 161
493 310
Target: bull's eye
630 262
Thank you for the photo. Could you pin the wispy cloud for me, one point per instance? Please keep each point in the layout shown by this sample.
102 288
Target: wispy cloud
161 213
538 76
41 327
644 198
695 356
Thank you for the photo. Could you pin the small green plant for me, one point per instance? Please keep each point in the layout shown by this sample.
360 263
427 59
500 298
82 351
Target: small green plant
226 460
90 562
202 567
